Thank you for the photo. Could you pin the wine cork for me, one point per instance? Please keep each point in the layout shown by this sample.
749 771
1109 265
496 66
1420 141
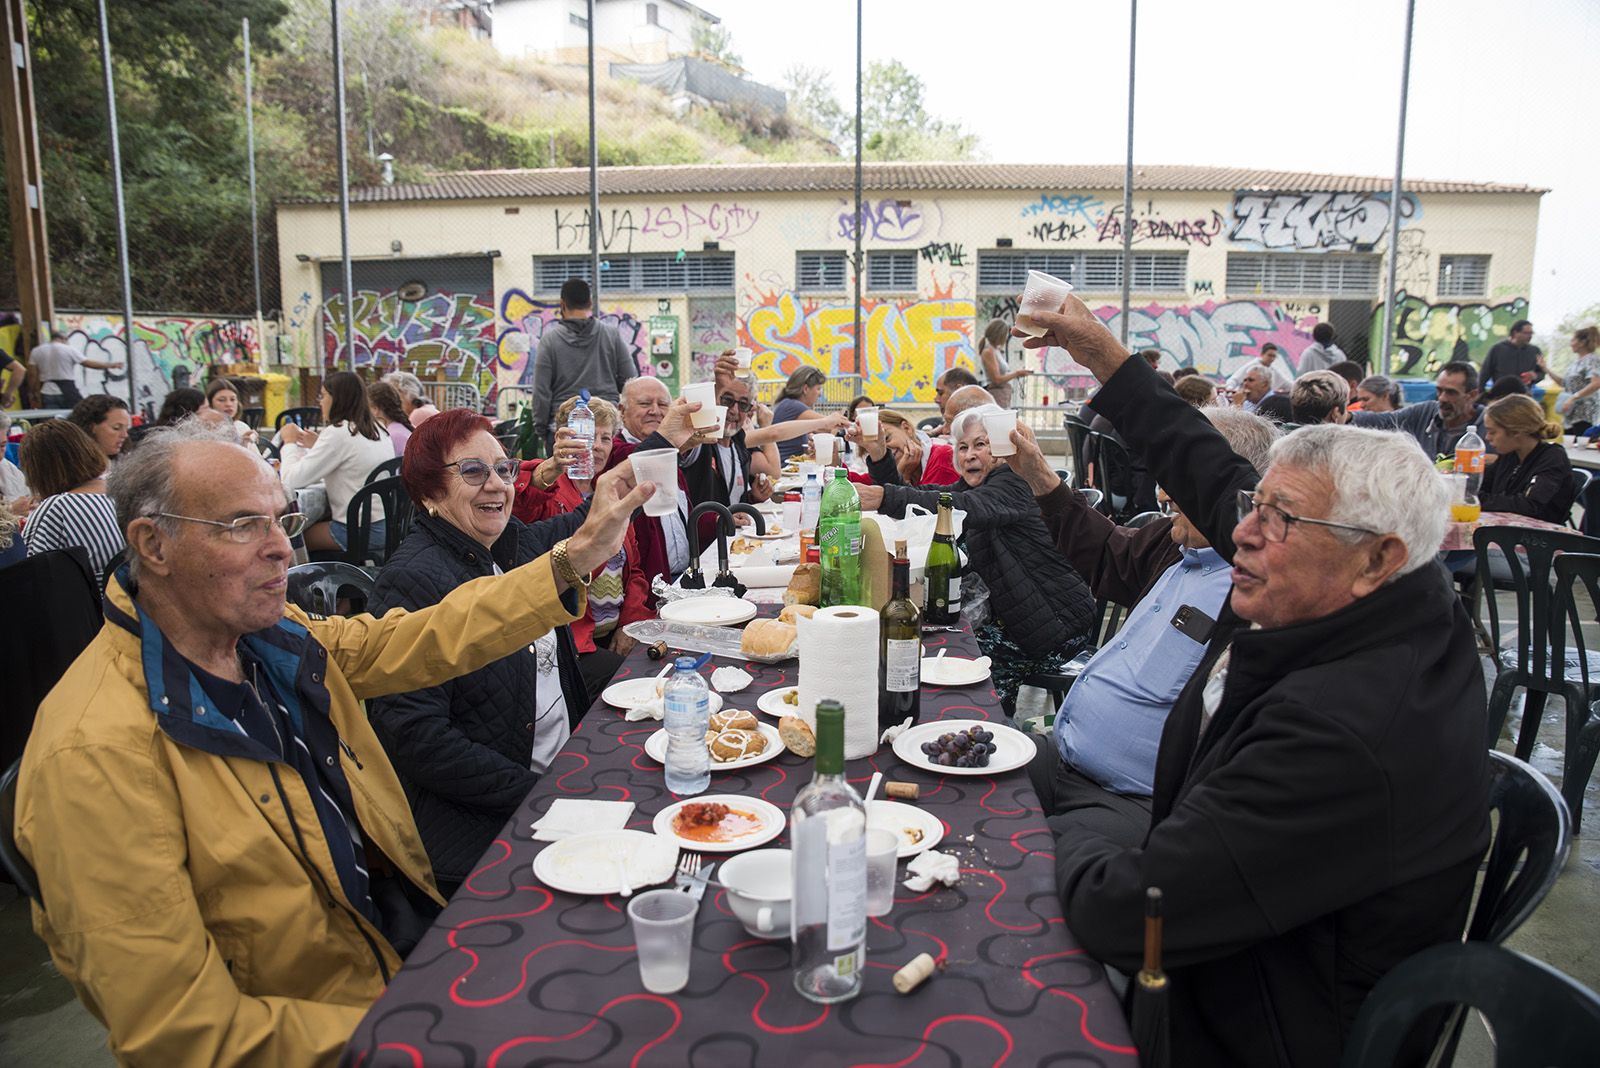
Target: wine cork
657 651
905 791
912 975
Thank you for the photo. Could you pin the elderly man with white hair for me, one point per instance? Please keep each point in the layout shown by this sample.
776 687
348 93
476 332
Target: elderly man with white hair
1320 796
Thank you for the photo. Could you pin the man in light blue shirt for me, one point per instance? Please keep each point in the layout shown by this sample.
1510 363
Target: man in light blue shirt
1098 768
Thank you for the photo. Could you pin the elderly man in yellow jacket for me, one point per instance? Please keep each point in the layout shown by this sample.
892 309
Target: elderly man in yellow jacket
229 869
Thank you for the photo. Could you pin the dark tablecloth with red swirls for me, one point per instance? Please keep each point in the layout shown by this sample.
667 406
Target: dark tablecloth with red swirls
515 974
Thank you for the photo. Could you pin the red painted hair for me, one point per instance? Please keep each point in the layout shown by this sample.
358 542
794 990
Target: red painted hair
423 469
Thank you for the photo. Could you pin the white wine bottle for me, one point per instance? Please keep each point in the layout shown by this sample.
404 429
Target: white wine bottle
828 825
942 574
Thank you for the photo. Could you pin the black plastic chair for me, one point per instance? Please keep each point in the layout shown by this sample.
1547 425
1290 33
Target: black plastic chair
1078 432
1539 1016
1114 475
17 868
62 618
1532 836
319 586
932 422
1577 572
397 515
304 418
1525 567
252 417
387 469
1580 479
267 449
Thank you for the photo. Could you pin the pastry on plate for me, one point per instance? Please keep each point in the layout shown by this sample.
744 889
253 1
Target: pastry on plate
733 719
735 744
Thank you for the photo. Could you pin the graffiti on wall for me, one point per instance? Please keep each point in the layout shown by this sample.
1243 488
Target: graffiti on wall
673 223
168 350
1086 209
523 320
908 343
1315 222
1060 218
713 329
1430 335
453 331
889 220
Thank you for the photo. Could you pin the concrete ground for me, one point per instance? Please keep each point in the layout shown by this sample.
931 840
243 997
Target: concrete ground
42 1024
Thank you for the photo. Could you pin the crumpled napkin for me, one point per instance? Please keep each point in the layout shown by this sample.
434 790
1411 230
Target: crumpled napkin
569 816
932 867
655 708
730 679
891 733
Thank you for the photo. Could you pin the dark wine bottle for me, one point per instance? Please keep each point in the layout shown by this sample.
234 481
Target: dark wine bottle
942 575
900 653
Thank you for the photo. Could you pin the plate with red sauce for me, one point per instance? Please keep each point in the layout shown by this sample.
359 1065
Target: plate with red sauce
720 823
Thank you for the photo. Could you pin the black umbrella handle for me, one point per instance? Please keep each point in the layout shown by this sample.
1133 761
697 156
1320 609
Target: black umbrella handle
1152 931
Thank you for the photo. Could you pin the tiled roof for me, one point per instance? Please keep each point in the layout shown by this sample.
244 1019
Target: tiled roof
884 177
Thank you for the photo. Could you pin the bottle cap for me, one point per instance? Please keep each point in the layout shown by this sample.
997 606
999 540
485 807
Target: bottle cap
684 664
584 394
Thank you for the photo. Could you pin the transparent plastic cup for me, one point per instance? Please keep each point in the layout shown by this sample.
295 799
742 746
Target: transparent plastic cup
744 357
999 427
705 394
663 931
867 422
883 858
721 412
827 446
661 467
1044 292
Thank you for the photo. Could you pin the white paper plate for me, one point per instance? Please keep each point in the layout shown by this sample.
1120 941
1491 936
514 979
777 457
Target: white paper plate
593 863
655 747
899 817
708 611
954 670
1013 749
631 693
770 535
773 704
771 817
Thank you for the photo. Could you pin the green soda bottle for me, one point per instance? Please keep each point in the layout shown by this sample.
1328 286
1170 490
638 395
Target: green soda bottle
839 538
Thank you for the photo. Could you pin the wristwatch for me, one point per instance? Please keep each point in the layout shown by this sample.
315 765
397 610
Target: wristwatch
564 568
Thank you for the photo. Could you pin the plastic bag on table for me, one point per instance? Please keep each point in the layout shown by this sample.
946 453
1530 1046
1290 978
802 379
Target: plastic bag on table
917 528
974 601
667 592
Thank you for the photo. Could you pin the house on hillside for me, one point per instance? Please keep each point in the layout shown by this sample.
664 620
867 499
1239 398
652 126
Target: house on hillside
625 31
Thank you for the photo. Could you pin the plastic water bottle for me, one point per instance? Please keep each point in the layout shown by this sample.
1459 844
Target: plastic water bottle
688 715
810 504
581 423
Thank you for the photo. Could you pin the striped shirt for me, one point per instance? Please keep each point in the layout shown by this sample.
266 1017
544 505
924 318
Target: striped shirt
86 519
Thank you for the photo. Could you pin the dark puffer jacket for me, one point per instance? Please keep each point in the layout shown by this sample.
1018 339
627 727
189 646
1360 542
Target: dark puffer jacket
462 749
1034 594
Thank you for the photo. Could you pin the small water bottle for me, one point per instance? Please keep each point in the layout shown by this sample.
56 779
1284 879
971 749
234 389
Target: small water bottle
688 715
810 503
581 423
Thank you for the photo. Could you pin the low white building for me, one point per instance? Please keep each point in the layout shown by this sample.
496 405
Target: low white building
625 31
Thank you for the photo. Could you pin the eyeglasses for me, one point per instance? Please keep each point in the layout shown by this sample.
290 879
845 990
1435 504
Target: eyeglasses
476 472
745 405
249 529
1275 521
1166 507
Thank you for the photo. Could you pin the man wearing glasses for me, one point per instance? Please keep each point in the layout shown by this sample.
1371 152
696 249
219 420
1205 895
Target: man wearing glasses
1320 799
1437 424
229 869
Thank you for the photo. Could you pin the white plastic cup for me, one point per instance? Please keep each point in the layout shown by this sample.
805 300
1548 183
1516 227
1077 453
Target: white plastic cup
663 931
661 467
744 357
721 424
883 856
999 426
867 423
705 394
826 445
1044 292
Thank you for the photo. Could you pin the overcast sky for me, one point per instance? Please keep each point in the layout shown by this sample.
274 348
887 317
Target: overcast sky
1500 90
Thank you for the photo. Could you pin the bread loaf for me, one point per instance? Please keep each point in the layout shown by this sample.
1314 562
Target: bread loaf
793 612
797 736
805 585
767 637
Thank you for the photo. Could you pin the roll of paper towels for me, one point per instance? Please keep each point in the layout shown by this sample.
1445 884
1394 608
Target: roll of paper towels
839 662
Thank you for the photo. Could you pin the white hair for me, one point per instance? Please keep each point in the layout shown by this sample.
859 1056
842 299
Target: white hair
958 426
1248 434
629 388
407 383
1381 482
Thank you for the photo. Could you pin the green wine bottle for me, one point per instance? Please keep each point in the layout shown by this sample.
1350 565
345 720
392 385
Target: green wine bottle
900 659
942 574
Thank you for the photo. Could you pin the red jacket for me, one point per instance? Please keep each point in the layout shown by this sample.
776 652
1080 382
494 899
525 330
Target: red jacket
533 504
647 528
939 471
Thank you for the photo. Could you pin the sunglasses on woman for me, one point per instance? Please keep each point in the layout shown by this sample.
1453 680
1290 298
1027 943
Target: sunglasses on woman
476 472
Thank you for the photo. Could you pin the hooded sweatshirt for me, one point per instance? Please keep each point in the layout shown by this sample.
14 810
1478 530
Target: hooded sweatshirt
578 354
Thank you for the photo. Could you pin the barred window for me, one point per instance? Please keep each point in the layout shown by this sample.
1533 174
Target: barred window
1005 271
1463 276
892 271
1310 274
662 272
820 272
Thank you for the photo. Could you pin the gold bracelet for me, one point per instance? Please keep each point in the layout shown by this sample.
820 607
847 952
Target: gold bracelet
564 568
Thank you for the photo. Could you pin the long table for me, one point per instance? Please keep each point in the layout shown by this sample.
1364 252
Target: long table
515 974
1582 455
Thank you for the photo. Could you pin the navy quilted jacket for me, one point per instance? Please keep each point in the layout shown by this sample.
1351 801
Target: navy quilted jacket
462 749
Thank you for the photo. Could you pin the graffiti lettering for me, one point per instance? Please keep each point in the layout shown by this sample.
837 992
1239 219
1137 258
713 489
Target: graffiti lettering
719 222
1152 227
1315 222
888 220
1431 335
167 350
1087 208
1202 285
944 252
453 331
1061 230
523 320
909 344
616 229
713 328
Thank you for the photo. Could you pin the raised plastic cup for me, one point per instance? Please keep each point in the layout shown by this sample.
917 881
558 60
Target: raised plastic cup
867 422
705 394
1044 292
721 424
883 856
744 357
999 426
826 446
663 931
661 467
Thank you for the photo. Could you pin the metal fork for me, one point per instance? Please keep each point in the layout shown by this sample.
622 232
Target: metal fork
688 869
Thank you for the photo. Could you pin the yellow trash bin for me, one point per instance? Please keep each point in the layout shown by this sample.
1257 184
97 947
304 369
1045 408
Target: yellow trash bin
276 397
